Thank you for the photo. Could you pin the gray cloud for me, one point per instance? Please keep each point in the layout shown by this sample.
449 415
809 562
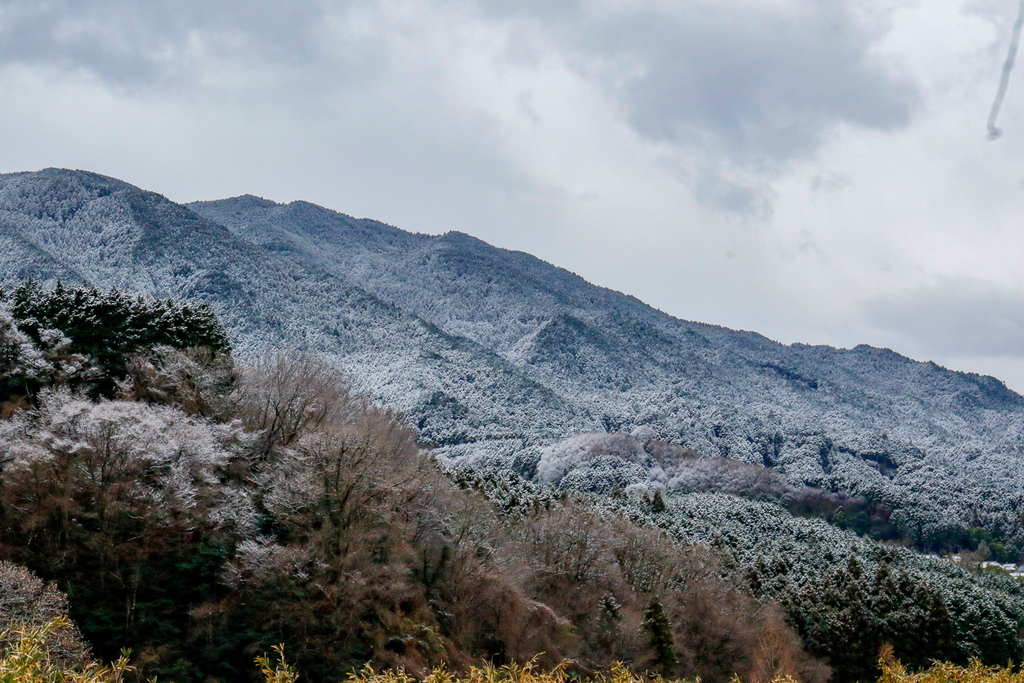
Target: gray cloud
711 188
962 317
828 181
763 83
758 85
765 86
750 86
157 42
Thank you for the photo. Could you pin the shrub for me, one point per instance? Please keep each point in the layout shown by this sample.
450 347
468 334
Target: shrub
893 671
25 601
27 659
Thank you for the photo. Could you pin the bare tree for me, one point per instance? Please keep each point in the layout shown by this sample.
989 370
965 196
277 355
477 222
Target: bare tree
287 394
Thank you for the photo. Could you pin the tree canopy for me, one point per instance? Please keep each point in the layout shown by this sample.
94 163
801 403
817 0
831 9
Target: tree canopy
82 337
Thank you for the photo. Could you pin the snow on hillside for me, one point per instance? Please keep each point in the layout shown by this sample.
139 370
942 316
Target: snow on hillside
941 447
502 359
84 227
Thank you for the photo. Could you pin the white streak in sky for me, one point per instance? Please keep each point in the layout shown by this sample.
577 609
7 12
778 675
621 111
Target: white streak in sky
1004 81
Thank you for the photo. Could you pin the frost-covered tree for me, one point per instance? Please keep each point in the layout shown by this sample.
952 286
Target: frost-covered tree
289 394
24 367
196 380
95 332
114 500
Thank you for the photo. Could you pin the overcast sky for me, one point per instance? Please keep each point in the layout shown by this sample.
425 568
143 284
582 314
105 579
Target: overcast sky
814 170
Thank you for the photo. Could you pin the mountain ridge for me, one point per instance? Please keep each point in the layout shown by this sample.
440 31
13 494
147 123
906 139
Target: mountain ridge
499 358
243 284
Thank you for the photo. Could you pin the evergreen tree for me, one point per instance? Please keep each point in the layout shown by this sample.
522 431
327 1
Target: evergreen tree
659 631
606 631
92 333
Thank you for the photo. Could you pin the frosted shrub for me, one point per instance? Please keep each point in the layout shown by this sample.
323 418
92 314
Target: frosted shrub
25 601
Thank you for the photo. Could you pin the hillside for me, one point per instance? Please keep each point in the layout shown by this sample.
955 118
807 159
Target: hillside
711 481
197 511
81 227
866 420
501 359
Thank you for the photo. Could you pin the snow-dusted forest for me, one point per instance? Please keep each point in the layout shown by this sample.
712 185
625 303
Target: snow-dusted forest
501 360
238 423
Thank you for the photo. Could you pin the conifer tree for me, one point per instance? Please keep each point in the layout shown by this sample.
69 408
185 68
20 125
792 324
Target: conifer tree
609 621
94 332
659 629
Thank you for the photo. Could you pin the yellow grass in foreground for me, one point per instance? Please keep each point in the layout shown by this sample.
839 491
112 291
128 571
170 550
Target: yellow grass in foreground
944 672
527 673
24 658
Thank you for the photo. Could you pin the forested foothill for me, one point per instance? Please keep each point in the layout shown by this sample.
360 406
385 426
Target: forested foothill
167 499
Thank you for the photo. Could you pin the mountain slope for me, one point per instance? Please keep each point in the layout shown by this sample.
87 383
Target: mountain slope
865 420
84 227
499 357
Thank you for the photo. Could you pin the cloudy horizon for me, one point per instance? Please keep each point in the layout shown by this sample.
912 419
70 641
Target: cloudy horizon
814 171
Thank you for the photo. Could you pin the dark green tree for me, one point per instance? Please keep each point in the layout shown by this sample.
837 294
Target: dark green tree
95 332
659 630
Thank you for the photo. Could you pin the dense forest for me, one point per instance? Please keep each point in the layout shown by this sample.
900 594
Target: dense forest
502 361
197 511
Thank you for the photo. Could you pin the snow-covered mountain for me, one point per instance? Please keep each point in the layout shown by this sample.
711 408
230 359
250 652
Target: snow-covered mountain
499 357
82 227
